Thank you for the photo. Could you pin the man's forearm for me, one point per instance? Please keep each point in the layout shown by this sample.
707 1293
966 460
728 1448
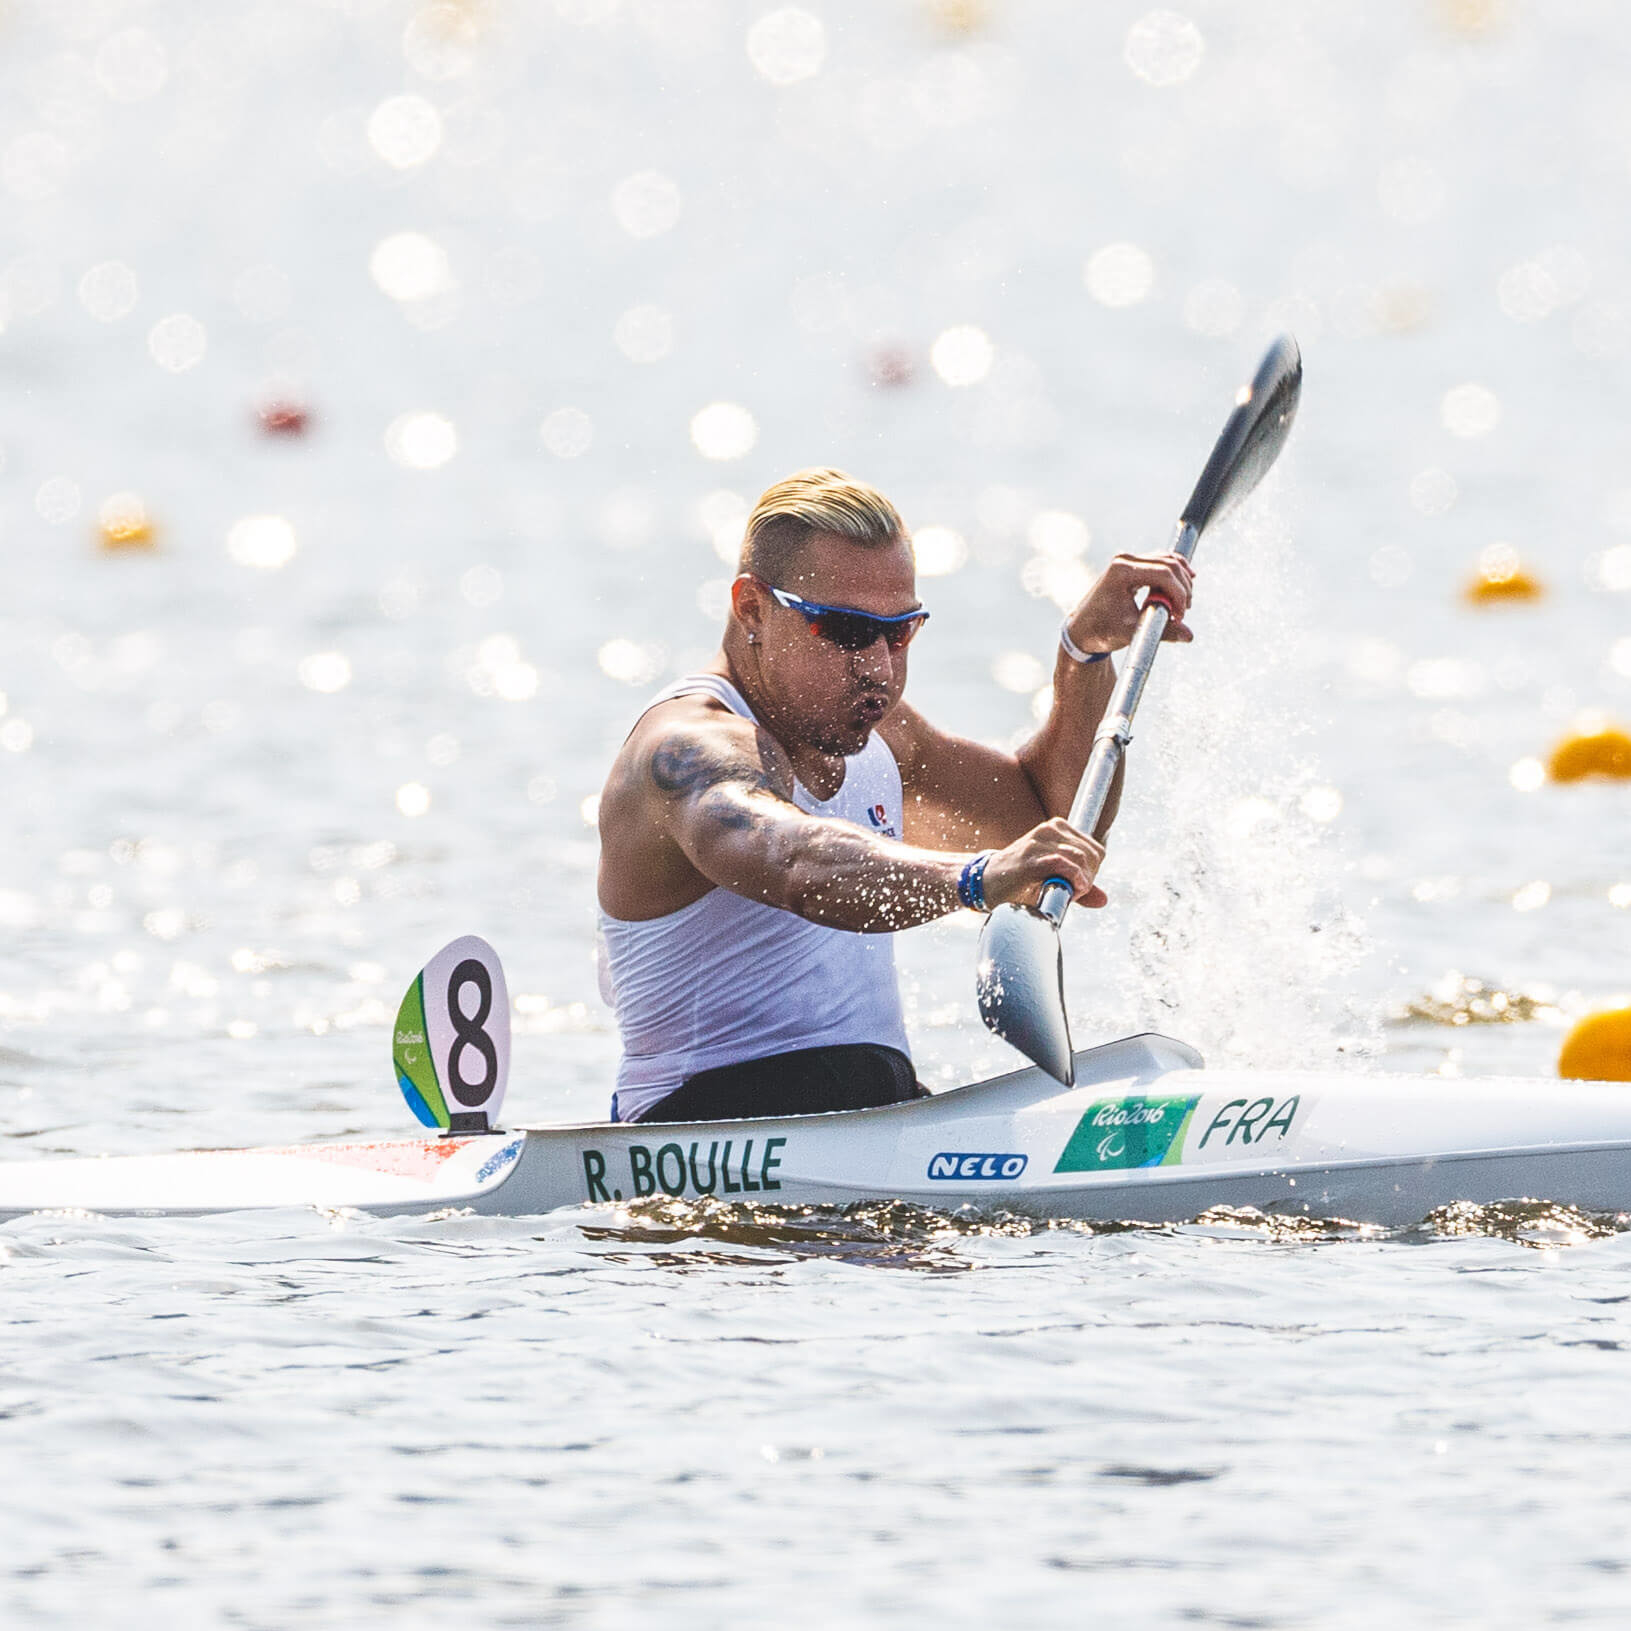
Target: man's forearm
1054 759
846 879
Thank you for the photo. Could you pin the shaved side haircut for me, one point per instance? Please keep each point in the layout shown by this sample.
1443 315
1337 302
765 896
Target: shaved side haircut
810 502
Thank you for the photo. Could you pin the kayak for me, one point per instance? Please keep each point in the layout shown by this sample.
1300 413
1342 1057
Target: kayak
1146 1134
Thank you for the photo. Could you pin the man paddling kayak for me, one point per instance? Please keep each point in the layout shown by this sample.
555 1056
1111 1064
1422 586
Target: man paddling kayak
772 818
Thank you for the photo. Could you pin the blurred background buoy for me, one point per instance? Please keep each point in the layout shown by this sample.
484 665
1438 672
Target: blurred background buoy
959 16
889 366
1604 750
1472 19
123 524
1500 578
284 417
1598 1049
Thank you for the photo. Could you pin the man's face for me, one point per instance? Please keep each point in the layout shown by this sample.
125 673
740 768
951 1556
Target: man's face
824 696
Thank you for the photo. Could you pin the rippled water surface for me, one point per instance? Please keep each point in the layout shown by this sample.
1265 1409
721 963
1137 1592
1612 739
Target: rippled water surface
555 290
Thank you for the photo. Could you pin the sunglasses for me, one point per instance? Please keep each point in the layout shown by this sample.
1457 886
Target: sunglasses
849 629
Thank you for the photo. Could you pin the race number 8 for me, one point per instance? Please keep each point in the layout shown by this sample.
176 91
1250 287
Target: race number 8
465 1038
469 1035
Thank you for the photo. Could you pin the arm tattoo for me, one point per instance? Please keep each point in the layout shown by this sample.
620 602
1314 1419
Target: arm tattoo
684 767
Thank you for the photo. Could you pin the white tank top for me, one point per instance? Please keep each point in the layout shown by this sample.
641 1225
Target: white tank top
727 979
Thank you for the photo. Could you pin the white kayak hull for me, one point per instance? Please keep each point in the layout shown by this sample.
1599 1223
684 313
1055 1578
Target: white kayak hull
1146 1135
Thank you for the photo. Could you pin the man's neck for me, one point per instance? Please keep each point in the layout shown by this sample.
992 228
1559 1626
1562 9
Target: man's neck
822 773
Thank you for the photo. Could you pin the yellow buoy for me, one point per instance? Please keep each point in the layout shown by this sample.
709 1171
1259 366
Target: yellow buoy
1598 1049
1602 752
123 524
1500 578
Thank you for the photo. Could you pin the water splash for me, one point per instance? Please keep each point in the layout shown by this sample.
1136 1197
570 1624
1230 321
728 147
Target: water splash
1234 933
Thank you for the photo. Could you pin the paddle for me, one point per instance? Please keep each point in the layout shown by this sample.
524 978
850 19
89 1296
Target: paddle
1021 971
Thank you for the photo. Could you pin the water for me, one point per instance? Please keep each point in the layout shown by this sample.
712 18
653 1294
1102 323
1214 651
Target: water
243 802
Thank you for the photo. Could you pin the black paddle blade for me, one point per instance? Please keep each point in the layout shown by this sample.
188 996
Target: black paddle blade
1020 978
1252 436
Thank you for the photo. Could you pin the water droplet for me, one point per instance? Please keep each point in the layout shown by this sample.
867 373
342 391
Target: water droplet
630 662
325 671
1059 535
1120 274
787 45
410 266
1321 804
1613 566
724 430
413 798
108 291
1018 671
646 204
421 441
939 551
963 355
567 433
1433 491
1164 48
1470 411
265 542
405 131
177 342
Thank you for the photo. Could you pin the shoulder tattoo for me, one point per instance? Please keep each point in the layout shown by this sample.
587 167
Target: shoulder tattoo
682 766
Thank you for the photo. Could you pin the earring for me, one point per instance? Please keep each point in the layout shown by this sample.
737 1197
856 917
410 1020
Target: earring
753 639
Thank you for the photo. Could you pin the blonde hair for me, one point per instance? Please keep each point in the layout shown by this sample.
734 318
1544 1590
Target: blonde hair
792 512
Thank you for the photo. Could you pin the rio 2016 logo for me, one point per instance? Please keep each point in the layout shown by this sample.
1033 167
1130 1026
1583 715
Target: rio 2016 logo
954 1164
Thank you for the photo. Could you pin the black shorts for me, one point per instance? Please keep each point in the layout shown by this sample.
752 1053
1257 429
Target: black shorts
844 1076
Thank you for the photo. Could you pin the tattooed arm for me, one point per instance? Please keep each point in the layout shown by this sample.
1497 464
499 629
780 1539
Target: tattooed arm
724 788
726 793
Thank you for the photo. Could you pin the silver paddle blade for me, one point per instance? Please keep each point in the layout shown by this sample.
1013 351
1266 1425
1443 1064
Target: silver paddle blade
1020 978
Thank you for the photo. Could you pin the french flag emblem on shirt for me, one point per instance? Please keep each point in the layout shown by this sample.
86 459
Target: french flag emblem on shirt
879 817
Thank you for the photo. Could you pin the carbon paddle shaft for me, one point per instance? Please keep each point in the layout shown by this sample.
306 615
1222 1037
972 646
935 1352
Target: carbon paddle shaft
1116 728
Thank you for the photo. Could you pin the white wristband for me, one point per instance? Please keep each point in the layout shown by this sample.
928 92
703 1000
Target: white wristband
1074 651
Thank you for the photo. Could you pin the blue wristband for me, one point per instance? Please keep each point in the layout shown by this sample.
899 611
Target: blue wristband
971 882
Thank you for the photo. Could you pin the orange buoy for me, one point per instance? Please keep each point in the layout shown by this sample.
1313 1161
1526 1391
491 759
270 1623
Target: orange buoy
123 524
1598 1049
1501 578
1603 752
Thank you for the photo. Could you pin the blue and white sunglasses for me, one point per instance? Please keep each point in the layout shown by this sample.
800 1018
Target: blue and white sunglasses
849 629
